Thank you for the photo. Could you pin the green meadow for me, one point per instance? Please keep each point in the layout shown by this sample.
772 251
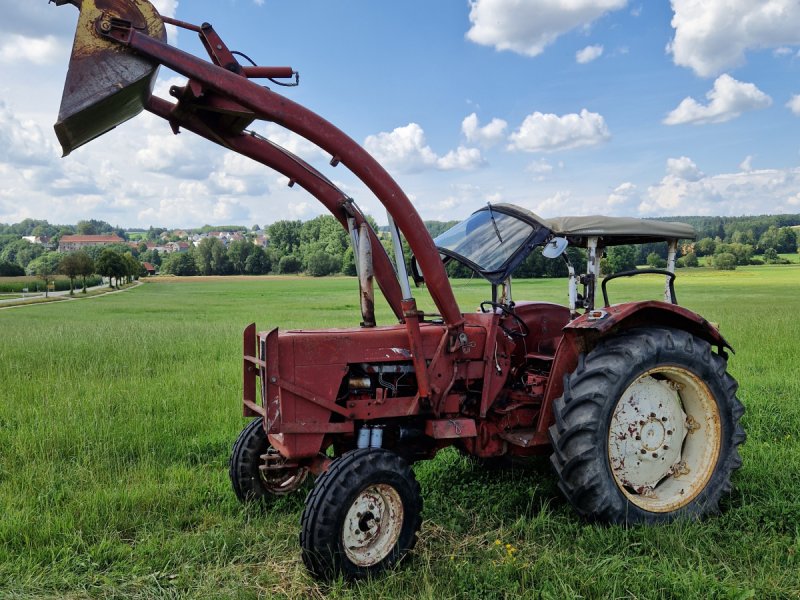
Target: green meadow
117 416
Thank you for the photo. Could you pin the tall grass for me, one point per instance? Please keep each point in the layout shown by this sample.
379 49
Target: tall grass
117 416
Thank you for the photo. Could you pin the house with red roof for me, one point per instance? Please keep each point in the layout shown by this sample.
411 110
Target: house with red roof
68 243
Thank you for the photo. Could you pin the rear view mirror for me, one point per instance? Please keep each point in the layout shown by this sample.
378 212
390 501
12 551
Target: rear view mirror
555 247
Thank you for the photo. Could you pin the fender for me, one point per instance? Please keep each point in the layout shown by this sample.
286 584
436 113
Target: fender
585 332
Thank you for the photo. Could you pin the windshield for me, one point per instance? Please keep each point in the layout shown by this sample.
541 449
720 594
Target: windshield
488 238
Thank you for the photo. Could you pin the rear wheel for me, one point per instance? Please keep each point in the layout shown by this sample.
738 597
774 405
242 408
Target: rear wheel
362 516
648 429
255 467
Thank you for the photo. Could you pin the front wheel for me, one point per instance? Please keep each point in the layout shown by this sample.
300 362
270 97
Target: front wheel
256 469
647 430
362 516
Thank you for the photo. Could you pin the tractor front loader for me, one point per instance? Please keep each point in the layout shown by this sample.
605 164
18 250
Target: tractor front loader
632 401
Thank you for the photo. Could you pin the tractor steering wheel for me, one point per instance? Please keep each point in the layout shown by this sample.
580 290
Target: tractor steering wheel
523 330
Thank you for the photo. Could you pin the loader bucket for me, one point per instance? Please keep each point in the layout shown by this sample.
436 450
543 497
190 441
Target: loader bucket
107 83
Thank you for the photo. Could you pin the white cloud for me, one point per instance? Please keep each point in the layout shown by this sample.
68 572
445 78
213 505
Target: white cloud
37 50
294 143
528 26
727 100
588 54
548 132
488 134
558 204
746 164
624 194
23 143
540 167
713 35
794 104
463 159
405 148
683 168
166 7
743 192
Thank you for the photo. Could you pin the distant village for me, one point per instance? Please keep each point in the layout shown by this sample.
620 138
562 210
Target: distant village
321 247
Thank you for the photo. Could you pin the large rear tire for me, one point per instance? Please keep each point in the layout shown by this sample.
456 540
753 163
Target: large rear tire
362 516
647 430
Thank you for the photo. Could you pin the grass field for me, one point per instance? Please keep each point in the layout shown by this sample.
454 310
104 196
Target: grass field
118 414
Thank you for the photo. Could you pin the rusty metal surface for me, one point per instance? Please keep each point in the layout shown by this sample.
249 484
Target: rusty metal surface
664 439
105 85
372 525
649 313
450 428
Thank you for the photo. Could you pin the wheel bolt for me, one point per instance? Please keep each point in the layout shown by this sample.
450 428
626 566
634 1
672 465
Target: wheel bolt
643 451
664 419
655 455
653 415
638 437
666 447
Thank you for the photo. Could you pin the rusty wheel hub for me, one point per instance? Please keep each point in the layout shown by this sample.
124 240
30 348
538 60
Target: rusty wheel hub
279 479
372 525
664 439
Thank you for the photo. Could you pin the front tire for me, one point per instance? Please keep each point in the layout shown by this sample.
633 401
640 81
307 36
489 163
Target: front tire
250 482
362 516
647 430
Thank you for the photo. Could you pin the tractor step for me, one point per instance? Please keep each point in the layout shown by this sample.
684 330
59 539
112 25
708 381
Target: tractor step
525 438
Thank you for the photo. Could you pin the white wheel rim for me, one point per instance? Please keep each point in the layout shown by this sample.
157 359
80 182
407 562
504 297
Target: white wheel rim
372 525
664 439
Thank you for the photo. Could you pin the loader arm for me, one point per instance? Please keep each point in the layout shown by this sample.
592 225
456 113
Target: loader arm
296 170
115 32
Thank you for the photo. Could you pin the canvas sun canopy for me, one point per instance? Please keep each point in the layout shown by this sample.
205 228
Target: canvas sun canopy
613 231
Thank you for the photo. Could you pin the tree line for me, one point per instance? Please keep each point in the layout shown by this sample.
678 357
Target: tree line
320 247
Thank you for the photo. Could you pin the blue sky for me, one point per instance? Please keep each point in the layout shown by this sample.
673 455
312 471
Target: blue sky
565 107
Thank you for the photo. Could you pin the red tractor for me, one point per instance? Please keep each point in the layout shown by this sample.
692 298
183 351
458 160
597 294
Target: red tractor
632 401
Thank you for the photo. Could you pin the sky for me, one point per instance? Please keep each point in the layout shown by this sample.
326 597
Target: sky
565 107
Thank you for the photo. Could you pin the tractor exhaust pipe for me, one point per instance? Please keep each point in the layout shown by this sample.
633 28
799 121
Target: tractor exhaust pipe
106 84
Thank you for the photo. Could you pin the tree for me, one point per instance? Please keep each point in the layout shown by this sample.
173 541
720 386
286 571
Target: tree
8 269
133 268
45 267
179 263
238 253
21 252
724 261
211 257
705 247
655 261
783 239
742 252
618 259
111 264
70 267
321 263
284 236
289 264
93 227
85 266
258 263
690 260
151 256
